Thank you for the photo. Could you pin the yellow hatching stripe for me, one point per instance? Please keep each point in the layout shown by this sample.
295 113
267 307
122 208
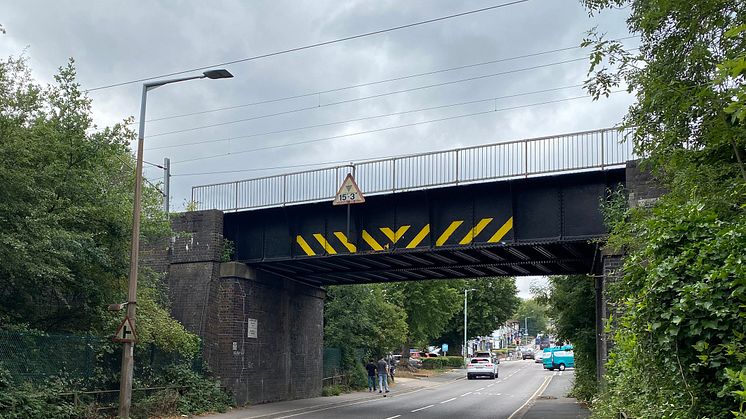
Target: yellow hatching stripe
342 238
474 232
419 237
502 231
322 241
371 241
303 245
394 237
447 234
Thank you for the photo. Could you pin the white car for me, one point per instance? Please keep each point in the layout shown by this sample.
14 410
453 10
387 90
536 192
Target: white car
481 367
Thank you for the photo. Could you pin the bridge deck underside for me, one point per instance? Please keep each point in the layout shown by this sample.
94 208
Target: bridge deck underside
548 258
540 226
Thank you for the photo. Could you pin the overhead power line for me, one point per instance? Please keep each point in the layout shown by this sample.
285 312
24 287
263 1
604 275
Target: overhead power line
341 102
365 118
352 134
318 44
371 83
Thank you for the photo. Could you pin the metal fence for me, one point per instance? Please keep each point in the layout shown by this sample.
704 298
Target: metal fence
523 158
37 358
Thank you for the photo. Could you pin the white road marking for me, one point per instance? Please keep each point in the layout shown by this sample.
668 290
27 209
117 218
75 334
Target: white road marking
490 385
479 389
465 394
422 408
393 417
449 400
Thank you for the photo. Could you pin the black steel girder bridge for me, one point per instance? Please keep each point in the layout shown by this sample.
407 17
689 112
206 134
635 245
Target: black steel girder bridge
527 207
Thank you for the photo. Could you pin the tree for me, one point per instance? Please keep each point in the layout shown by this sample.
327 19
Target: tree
680 302
491 303
65 205
429 306
358 317
534 314
572 302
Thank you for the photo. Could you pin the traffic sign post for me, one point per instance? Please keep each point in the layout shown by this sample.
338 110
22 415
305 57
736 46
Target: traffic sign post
125 332
349 193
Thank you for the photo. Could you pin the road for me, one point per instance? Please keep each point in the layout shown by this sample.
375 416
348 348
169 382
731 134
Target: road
450 395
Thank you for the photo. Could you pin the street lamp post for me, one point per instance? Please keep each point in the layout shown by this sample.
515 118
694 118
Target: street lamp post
125 388
525 325
466 353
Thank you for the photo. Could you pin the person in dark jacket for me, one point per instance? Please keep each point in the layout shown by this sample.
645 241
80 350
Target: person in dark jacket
371 367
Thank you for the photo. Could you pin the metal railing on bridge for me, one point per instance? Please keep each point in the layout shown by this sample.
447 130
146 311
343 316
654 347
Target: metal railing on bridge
580 151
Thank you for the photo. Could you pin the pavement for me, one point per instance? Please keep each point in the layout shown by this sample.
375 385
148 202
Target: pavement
553 402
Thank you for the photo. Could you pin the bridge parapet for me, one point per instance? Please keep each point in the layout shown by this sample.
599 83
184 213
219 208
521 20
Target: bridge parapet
566 153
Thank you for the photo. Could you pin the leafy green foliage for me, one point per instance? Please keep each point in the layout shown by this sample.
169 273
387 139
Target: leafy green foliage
333 390
491 303
65 224
429 306
65 204
572 305
536 313
29 402
360 317
443 362
680 304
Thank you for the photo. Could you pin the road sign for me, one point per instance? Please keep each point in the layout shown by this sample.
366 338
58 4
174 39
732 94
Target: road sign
444 347
252 328
348 193
125 332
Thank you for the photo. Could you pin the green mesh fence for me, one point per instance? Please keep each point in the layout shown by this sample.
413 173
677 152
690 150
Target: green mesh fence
36 358
332 361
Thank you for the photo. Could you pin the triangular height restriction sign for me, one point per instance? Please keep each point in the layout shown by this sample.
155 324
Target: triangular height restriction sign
348 193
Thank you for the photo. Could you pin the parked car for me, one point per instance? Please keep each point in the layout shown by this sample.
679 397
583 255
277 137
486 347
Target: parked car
527 353
538 357
481 367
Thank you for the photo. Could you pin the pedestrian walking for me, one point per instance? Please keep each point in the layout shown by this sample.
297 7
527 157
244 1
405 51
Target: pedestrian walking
392 368
383 375
371 367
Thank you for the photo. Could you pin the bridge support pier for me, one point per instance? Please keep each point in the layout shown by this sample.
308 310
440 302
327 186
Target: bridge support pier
262 334
611 265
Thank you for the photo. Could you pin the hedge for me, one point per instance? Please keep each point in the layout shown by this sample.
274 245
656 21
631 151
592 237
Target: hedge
442 362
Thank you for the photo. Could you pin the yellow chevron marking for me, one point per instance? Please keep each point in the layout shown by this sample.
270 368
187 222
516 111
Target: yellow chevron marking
303 245
394 237
474 232
502 231
447 234
419 237
351 247
371 241
322 241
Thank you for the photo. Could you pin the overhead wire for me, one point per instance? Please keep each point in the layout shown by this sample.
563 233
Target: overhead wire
346 101
366 118
316 140
314 45
371 83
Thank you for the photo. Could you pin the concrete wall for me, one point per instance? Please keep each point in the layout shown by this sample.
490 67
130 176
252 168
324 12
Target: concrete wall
217 300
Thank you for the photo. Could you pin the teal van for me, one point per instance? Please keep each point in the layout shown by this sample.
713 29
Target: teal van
559 357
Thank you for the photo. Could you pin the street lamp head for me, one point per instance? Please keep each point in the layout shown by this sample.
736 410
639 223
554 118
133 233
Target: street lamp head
218 74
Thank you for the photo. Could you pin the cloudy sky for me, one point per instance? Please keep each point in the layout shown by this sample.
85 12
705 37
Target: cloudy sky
114 42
